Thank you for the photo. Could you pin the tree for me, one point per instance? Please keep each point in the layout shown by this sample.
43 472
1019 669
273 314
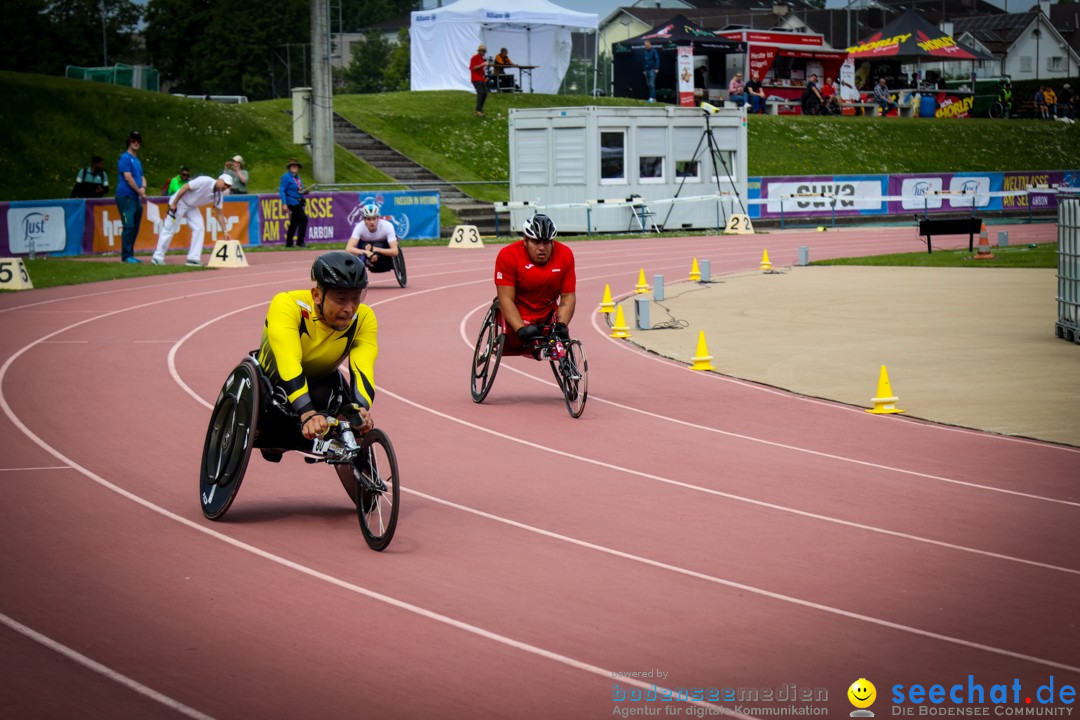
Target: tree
396 74
96 32
370 57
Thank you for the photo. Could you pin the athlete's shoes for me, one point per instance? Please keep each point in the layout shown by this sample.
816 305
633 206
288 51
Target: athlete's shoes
132 260
157 261
193 263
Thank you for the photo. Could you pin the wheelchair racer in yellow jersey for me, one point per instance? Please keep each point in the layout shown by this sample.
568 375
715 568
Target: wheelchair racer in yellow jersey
309 333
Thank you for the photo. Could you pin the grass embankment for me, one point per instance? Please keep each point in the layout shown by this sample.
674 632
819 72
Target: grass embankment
1021 256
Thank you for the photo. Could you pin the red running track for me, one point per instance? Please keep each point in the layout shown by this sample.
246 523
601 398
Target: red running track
722 533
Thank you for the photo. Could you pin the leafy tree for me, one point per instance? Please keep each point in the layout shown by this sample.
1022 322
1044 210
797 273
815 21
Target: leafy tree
370 57
396 74
361 14
50 34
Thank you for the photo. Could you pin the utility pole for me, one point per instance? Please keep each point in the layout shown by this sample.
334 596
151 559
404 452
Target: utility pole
104 39
322 97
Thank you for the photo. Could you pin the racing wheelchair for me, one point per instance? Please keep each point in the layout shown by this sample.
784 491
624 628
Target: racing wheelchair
567 359
251 412
395 263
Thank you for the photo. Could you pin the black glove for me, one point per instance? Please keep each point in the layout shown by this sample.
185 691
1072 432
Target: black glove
527 333
172 212
560 330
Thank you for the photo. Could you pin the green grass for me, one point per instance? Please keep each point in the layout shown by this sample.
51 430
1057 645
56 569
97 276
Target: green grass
55 272
1044 255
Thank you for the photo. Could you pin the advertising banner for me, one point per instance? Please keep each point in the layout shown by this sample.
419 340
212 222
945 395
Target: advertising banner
332 216
1037 201
43 226
685 62
848 195
106 227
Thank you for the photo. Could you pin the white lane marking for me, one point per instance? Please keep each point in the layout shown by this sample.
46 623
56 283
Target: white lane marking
103 670
311 572
784 446
747 588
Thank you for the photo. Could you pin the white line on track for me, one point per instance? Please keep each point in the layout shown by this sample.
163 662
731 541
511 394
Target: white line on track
102 669
311 572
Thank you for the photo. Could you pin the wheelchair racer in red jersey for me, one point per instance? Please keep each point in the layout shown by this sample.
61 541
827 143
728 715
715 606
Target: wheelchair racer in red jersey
309 333
374 239
536 286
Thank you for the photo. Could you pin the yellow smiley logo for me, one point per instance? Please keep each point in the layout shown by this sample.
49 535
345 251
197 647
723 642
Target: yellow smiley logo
862 693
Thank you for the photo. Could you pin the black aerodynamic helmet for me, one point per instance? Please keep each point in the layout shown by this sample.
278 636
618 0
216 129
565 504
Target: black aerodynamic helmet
339 270
539 227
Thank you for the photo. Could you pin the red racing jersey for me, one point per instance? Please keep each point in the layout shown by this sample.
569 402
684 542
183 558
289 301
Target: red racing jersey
537 287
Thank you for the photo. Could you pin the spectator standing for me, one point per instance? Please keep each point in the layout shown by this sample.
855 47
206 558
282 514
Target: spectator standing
178 180
1067 102
883 97
1005 98
478 66
652 69
736 90
811 97
292 192
1040 102
235 169
1051 101
91 181
755 93
130 192
187 203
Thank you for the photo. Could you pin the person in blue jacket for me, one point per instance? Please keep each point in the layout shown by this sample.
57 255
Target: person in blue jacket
130 193
292 193
652 69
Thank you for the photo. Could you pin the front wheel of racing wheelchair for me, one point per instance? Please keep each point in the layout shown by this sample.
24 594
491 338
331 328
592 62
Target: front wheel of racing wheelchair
249 414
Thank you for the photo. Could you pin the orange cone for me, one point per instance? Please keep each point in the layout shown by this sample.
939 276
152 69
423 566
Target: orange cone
983 251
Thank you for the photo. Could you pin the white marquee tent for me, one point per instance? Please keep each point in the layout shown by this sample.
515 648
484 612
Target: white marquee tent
535 32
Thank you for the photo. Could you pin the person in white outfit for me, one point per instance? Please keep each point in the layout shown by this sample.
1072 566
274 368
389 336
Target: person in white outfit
186 203
374 240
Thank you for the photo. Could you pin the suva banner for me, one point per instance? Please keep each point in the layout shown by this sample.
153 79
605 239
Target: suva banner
74 227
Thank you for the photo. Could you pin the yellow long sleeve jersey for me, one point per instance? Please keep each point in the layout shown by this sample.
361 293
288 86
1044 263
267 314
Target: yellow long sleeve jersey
297 346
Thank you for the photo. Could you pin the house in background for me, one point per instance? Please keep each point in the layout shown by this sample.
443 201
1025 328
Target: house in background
1027 46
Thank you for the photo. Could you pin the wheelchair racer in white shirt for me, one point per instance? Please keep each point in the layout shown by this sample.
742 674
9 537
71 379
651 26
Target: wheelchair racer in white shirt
374 240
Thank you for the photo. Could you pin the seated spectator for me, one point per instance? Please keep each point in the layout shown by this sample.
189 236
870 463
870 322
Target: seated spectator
502 60
177 181
883 97
1051 102
1067 102
811 98
755 93
91 182
830 103
737 90
1040 102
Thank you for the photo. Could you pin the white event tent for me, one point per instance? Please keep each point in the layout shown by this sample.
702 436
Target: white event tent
534 32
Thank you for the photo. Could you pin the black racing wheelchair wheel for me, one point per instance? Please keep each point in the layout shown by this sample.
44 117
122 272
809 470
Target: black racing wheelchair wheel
229 439
375 472
572 374
399 266
487 355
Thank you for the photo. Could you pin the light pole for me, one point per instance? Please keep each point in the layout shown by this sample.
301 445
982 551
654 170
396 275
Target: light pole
1037 33
104 40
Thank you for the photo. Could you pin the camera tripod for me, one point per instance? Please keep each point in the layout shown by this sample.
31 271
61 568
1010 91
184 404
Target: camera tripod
708 141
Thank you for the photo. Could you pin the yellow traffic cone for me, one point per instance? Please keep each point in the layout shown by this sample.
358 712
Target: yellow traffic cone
765 264
641 286
983 251
885 402
619 328
702 357
607 305
695 271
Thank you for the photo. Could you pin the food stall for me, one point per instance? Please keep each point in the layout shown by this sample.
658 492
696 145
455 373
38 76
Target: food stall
784 61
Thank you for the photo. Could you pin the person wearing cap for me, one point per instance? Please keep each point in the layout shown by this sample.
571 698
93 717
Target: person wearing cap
91 181
478 66
186 204
178 180
130 192
292 192
235 168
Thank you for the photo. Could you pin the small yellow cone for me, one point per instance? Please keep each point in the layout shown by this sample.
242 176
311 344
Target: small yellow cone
885 402
702 357
607 305
641 286
619 329
765 264
695 271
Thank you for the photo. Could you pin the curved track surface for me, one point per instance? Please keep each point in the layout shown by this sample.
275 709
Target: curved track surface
689 531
